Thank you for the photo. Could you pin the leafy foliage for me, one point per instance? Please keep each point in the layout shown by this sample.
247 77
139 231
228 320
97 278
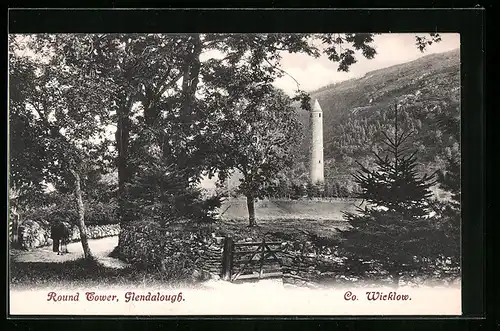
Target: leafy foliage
263 140
64 211
177 116
64 105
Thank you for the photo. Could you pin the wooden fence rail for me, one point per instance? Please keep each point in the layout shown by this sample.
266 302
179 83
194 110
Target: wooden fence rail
240 261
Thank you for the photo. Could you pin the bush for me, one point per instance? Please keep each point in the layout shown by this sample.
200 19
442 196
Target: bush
171 251
98 213
400 244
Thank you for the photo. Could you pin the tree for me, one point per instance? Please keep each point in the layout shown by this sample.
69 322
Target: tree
344 191
141 72
145 77
395 184
261 143
282 188
331 189
158 191
315 190
14 216
144 67
63 106
449 179
393 228
298 191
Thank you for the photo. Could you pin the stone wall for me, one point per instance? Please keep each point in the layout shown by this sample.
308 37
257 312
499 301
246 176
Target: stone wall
33 234
184 254
174 251
304 264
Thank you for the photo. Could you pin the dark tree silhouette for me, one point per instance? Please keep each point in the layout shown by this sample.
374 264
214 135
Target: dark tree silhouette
394 228
395 183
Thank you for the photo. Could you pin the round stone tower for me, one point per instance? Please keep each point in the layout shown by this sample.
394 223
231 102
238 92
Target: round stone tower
317 175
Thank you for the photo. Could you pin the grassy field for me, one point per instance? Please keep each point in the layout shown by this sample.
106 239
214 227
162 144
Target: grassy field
293 220
327 210
285 229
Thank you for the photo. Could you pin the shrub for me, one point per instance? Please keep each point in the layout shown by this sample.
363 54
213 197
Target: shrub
399 243
168 251
98 213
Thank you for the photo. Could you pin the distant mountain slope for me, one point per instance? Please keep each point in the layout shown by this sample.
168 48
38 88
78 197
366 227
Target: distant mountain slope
357 110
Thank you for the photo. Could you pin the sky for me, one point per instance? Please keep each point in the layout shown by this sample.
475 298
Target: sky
392 49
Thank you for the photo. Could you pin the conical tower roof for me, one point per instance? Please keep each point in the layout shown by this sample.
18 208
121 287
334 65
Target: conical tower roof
315 107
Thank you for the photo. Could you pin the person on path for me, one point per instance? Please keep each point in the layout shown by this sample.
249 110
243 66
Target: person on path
60 232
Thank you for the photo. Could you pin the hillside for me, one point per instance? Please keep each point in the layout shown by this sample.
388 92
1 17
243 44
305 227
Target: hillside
357 110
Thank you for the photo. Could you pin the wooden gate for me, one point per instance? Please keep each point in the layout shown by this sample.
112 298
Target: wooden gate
250 260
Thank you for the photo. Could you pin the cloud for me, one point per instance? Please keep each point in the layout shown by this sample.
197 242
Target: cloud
312 77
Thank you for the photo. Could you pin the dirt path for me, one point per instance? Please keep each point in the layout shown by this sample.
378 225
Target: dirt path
43 268
101 248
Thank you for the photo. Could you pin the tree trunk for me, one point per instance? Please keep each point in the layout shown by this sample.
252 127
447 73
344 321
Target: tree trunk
122 144
190 80
251 210
81 217
191 72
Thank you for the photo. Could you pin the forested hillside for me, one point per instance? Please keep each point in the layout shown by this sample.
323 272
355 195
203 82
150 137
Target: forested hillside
427 91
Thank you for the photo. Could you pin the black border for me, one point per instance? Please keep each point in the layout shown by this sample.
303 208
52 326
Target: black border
468 22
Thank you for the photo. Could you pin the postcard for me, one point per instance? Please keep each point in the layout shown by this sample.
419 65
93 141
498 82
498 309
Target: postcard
234 174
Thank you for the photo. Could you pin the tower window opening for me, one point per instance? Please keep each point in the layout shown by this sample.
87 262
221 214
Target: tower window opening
319 161
319 115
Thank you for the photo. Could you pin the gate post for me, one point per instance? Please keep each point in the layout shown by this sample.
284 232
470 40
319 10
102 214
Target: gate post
262 254
227 259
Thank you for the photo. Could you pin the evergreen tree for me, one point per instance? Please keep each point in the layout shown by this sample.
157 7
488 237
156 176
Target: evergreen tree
393 228
158 190
395 183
